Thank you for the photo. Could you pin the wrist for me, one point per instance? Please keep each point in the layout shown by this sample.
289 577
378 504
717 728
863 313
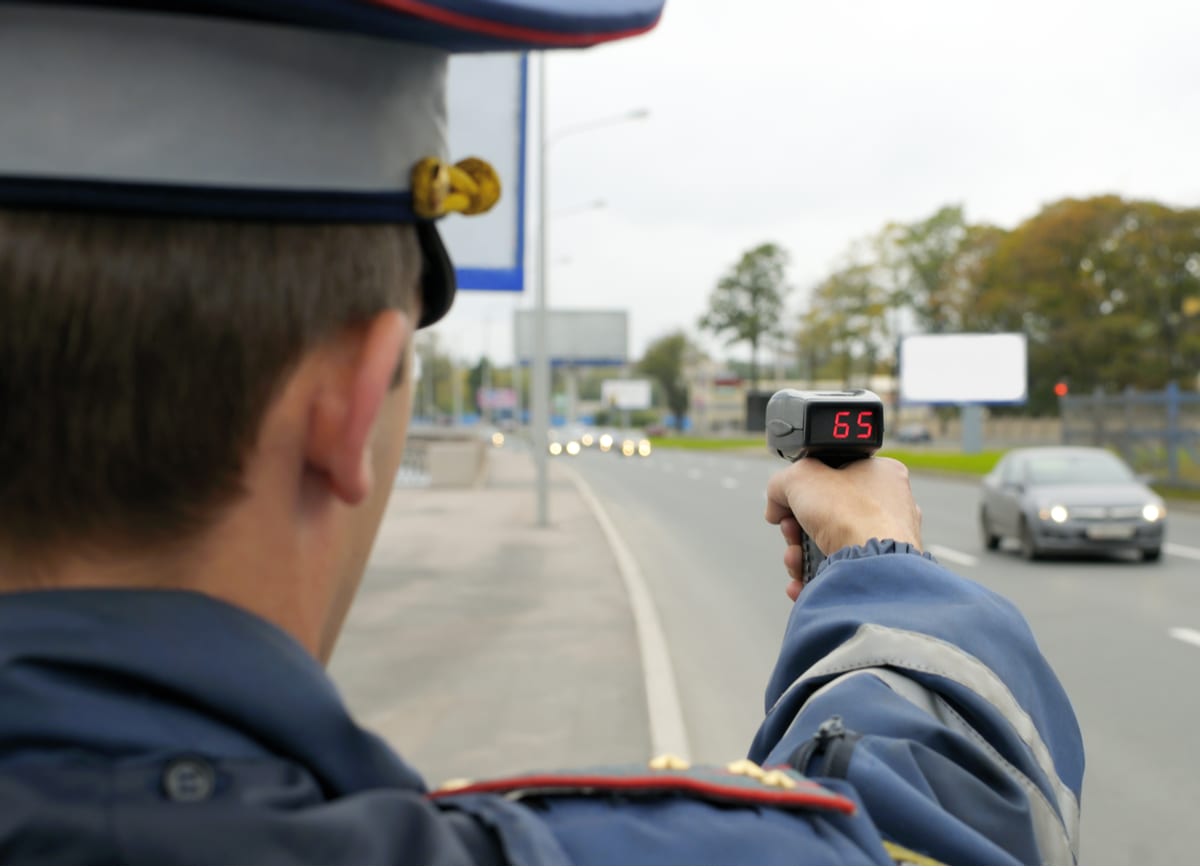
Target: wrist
875 547
863 534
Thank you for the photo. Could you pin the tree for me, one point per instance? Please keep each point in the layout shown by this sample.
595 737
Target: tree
1105 290
747 303
847 320
919 259
435 391
664 363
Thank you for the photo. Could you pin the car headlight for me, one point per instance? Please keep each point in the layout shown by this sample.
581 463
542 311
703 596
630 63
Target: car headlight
606 442
628 448
497 439
1058 514
556 448
586 440
1154 512
644 448
572 448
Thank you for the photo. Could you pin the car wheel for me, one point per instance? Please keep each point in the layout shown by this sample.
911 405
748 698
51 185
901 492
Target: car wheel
990 540
1152 555
1029 548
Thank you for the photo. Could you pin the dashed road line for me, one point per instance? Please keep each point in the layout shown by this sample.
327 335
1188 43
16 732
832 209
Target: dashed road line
1182 633
1182 551
952 556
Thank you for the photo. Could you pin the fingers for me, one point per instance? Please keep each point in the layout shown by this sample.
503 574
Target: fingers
790 527
863 500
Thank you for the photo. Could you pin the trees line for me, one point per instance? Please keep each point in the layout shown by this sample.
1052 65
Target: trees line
1107 291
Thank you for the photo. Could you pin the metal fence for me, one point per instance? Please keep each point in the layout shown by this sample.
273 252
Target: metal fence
1156 432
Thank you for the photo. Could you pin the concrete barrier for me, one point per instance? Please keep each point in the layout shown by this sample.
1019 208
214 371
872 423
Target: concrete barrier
447 458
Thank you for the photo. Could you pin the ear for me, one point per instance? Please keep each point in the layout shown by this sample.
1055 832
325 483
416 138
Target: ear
360 370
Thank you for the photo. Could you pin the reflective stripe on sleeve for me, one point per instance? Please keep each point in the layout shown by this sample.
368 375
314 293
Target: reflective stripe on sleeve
874 645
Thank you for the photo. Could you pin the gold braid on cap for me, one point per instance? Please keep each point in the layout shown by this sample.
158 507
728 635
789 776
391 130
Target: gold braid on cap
470 186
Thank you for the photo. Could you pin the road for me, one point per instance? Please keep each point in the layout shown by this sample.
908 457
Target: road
1123 635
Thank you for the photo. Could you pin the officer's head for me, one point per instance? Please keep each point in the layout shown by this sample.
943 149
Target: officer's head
216 243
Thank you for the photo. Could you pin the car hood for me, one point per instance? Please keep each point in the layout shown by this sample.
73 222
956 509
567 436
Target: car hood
1102 494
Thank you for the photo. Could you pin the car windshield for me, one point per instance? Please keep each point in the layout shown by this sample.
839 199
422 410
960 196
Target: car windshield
1076 469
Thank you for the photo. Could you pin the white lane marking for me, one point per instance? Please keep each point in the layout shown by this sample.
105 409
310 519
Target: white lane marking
694 473
1182 551
729 482
1190 636
668 734
952 556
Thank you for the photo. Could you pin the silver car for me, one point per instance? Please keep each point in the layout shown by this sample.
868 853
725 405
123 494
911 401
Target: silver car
1070 499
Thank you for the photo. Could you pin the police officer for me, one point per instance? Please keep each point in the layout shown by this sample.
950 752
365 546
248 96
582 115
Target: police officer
216 243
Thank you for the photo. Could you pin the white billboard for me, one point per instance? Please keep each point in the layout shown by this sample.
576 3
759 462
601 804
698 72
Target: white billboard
963 368
485 100
625 393
586 338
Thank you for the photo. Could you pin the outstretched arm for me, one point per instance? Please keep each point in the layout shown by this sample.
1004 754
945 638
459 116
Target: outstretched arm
925 691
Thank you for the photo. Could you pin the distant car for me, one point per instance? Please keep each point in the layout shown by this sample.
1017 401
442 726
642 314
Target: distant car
913 433
1070 499
562 443
630 443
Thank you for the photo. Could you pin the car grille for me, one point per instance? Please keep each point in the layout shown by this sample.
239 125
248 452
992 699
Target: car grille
1105 513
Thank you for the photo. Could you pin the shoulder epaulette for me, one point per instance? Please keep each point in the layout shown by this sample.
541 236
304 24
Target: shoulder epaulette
741 782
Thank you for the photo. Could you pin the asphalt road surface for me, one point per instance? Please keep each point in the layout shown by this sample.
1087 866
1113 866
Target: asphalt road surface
1124 636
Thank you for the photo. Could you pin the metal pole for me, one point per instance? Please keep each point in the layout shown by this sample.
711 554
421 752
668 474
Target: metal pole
540 396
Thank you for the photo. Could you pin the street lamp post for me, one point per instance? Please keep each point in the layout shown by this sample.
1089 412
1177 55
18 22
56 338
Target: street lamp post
540 398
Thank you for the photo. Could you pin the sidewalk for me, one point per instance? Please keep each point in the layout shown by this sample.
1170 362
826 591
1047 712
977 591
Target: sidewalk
481 644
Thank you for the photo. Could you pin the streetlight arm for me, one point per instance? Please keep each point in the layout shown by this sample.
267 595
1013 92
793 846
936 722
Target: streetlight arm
574 129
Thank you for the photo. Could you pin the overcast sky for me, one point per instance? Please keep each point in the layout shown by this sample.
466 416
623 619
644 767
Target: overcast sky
814 124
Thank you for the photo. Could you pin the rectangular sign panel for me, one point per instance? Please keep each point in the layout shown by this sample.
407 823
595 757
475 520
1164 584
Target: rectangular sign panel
486 96
587 338
625 393
963 368
496 398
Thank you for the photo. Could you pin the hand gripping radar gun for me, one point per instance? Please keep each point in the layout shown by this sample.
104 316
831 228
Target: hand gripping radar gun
835 427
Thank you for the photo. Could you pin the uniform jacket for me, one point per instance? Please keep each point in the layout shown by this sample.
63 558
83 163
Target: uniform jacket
910 715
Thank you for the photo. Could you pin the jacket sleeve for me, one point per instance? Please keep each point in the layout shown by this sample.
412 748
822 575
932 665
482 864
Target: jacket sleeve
928 694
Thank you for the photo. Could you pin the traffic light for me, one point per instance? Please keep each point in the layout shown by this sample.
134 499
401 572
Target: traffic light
1061 388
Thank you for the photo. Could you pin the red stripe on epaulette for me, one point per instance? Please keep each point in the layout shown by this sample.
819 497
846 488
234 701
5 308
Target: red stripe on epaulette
806 795
471 24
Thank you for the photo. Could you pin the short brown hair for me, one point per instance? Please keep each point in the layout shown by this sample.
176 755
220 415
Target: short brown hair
138 355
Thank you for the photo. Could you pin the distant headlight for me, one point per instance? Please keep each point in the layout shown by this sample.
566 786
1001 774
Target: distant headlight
497 439
1057 514
1154 512
628 448
572 448
606 441
644 448
556 448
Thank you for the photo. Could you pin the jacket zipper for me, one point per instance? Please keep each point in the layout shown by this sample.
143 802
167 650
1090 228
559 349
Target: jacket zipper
833 741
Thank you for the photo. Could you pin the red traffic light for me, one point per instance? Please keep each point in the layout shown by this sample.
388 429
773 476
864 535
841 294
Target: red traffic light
1060 389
